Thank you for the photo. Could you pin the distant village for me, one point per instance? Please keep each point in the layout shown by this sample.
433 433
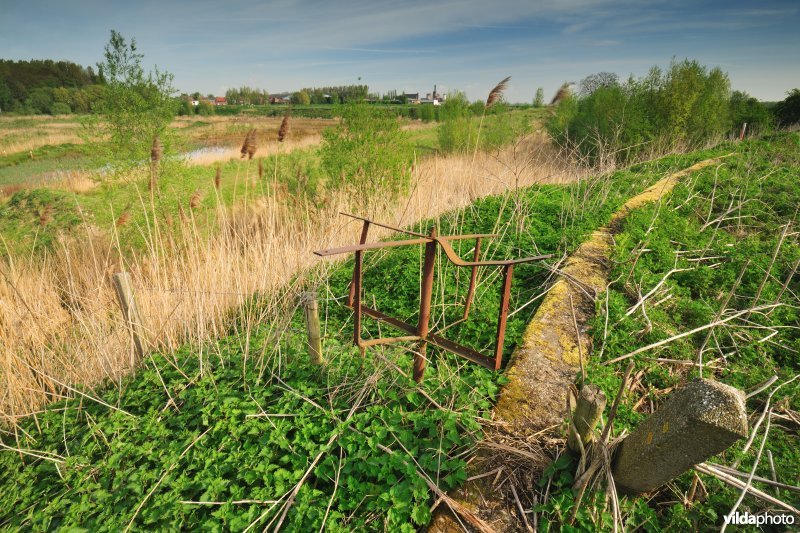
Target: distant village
431 98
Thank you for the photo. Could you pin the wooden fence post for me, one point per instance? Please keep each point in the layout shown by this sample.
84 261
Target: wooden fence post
589 407
130 311
311 312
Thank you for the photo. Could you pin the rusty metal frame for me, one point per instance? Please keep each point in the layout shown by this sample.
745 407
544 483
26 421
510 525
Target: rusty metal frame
420 332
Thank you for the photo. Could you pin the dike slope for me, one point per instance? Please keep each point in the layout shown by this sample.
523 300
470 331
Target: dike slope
547 359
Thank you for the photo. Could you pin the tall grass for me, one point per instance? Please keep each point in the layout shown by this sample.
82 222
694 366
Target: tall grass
61 329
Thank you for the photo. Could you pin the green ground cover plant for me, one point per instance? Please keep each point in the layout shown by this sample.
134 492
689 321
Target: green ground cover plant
722 234
218 436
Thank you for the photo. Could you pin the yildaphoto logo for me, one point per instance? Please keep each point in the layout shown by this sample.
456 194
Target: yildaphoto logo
741 519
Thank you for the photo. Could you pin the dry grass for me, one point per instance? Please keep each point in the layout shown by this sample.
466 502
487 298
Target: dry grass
265 149
76 181
22 134
60 325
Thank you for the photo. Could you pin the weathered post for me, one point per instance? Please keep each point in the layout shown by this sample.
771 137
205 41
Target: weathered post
426 292
130 311
589 406
696 422
311 312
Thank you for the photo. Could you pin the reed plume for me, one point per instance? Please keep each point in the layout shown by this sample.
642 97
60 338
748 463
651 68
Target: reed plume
124 218
194 201
562 93
249 146
218 177
156 151
494 96
497 93
46 215
260 169
283 131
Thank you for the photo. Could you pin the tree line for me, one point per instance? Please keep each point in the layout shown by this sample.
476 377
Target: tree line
683 106
46 86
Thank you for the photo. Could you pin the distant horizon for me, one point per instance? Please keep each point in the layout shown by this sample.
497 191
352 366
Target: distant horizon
464 45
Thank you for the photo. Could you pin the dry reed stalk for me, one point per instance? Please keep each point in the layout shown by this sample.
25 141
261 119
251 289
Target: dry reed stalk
561 94
494 96
124 218
46 215
283 131
250 145
497 93
156 151
194 201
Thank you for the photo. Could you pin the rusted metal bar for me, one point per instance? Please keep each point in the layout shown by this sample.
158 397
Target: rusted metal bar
369 246
468 236
426 292
472 279
357 279
433 338
400 230
453 257
351 296
505 296
421 332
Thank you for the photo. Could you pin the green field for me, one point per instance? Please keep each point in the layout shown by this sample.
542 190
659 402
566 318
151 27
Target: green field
189 430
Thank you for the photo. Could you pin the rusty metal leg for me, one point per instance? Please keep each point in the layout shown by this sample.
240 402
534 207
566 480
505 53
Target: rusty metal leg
356 292
505 296
473 278
352 294
425 307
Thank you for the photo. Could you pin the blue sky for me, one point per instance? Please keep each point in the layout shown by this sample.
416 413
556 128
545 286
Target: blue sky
467 45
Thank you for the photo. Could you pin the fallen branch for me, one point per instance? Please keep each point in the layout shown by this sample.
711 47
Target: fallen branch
654 289
691 332
704 468
739 473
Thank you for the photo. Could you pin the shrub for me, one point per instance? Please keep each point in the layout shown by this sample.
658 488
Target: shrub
787 111
686 105
426 113
367 150
205 109
746 109
456 131
60 108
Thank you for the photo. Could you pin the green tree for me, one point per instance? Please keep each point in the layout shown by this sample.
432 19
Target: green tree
60 108
301 98
787 111
135 106
40 100
205 109
185 108
746 109
538 100
457 133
